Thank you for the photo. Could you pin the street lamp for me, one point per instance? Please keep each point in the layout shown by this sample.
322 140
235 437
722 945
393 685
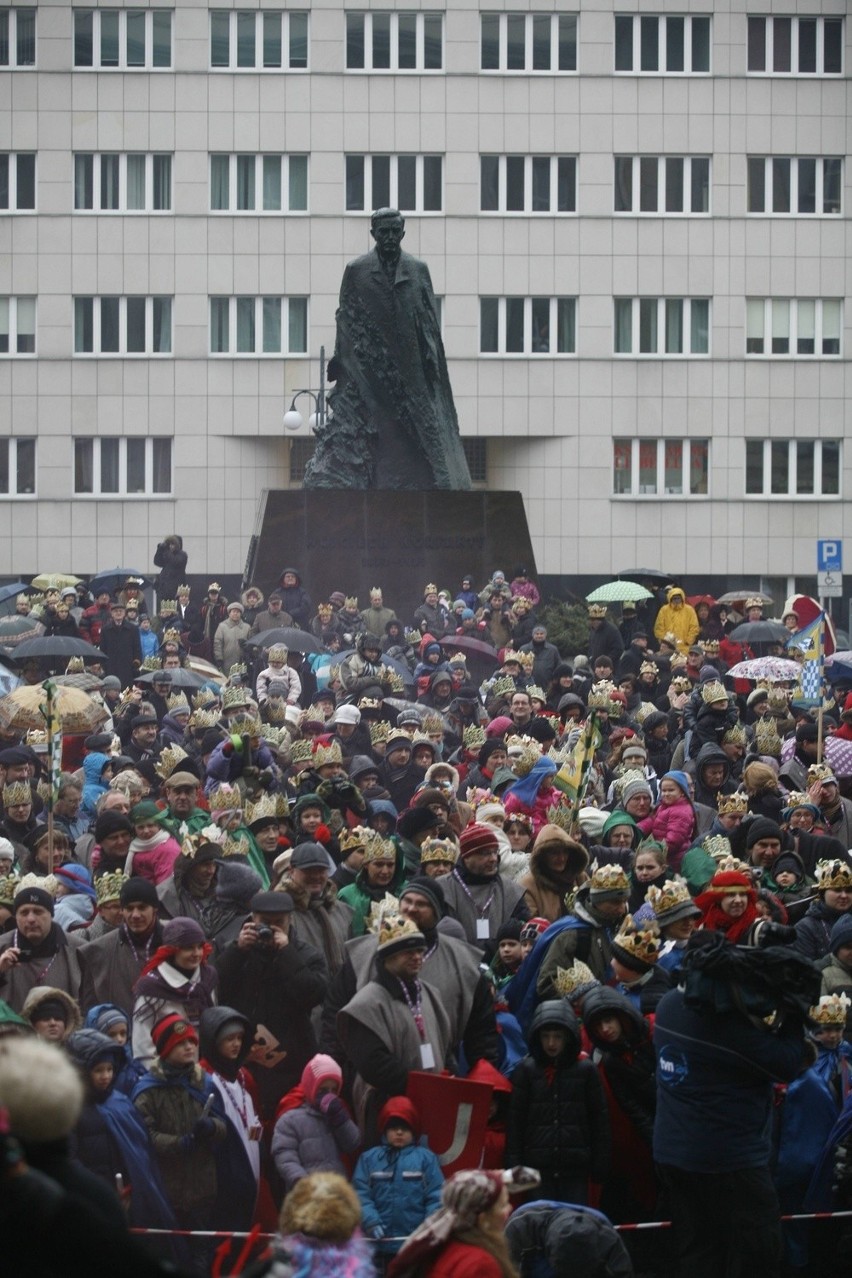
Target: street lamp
293 419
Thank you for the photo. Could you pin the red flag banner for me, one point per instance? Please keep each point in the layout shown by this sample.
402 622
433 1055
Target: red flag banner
454 1114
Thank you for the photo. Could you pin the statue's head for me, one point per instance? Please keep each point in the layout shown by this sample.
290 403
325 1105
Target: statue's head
387 227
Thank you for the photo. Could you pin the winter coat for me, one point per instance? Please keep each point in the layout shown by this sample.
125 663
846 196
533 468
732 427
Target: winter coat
323 922
590 940
711 754
674 824
111 966
59 950
93 787
558 1121
544 894
491 901
170 557
463 1260
546 659
153 859
398 1188
557 1240
682 622
170 1108
296 600
360 896
228 643
286 675
304 1142
628 1065
165 990
814 930
122 650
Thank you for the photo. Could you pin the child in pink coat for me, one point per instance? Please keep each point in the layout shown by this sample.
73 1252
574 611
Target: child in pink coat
673 822
153 851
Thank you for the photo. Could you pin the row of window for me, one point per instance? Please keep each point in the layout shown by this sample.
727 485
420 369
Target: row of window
114 466
654 326
268 40
681 467
106 182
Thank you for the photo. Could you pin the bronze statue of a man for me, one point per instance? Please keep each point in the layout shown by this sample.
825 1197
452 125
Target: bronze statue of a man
393 422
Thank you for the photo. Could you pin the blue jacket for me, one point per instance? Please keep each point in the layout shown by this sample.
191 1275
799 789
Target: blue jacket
398 1189
715 1074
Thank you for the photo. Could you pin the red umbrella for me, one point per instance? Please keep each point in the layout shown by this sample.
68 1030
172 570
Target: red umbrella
806 609
470 646
695 600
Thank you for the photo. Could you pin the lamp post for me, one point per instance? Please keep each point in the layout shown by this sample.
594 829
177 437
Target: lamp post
293 419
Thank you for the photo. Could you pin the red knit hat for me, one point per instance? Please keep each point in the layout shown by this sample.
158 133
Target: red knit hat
170 1031
477 838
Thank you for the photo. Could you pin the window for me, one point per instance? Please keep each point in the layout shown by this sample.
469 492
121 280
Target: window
17 37
123 39
122 326
795 46
526 325
660 467
792 468
656 45
258 183
476 455
394 41
662 326
795 184
112 466
528 42
17 326
412 183
528 183
17 182
661 185
111 183
17 467
258 325
793 327
258 40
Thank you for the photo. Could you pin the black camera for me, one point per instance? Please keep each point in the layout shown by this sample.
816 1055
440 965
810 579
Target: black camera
265 936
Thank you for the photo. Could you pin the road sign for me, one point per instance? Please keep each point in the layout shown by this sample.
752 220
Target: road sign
830 557
829 585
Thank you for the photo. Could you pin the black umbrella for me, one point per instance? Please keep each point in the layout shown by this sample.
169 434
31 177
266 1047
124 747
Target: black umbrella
292 638
57 646
469 645
113 578
646 574
180 678
760 632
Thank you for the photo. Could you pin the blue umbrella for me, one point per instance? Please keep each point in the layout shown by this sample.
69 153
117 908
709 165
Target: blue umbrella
8 595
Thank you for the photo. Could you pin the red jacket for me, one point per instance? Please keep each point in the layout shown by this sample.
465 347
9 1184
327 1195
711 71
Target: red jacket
460 1260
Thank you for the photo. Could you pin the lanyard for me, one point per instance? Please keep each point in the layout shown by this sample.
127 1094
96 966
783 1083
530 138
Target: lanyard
415 1006
481 913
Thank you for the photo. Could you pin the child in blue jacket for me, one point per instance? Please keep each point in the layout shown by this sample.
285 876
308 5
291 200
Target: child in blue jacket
398 1181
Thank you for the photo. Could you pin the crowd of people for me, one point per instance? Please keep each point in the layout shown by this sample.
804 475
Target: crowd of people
613 889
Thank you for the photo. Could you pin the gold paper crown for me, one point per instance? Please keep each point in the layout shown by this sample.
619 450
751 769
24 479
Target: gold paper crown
568 980
438 850
561 816
75 666
358 837
177 703
484 799
168 606
527 660
527 756
681 684
399 737
732 804
377 848
36 737
184 589
152 663
191 844
754 602
430 589
649 667
395 927
766 737
386 908
245 725
47 882
203 719
375 592
457 659
668 897
819 772
713 691
831 1009
301 751
324 611
370 703
168 761
379 731
473 737
273 735
236 844
600 698
645 709
736 735
597 611
779 700
642 943
22 598
9 884
214 585
711 647
502 687
203 699
17 792
432 724
171 635
733 863
328 754
835 876
796 799
237 670
608 878
626 777
669 638
390 677
43 790
535 692
278 652
716 845
421 738
108 886
350 603
225 798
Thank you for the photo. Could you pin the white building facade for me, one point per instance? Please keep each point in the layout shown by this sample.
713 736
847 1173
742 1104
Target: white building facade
637 218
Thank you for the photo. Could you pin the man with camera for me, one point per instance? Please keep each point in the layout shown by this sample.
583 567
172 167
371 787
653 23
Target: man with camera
37 951
275 980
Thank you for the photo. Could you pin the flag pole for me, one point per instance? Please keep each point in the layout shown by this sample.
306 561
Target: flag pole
820 711
49 712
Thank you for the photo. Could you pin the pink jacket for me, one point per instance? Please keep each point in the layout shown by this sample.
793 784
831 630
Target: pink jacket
152 859
674 823
547 797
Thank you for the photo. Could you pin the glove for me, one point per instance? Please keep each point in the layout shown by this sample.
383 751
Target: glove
203 1128
378 1231
333 1109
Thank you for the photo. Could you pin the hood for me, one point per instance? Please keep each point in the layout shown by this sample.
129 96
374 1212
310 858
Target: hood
711 753
366 640
210 1025
392 624
400 1107
244 598
88 1046
484 1072
603 1001
295 573
95 1013
375 806
554 1012
428 641
93 766
454 774
442 675
550 836
40 994
675 593
360 764
310 801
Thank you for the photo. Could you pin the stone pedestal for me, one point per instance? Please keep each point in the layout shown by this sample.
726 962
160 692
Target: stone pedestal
352 540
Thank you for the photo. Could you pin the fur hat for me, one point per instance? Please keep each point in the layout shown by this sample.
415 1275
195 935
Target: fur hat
41 1090
322 1205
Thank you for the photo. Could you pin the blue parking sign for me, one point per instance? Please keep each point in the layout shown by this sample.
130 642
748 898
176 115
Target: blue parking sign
829 556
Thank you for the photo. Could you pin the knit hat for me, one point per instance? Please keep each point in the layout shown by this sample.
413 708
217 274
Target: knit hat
107 1016
477 838
33 896
76 877
182 933
320 1069
171 1030
139 891
426 887
236 883
788 863
111 823
509 931
592 821
637 785
145 810
841 933
346 714
680 778
762 828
